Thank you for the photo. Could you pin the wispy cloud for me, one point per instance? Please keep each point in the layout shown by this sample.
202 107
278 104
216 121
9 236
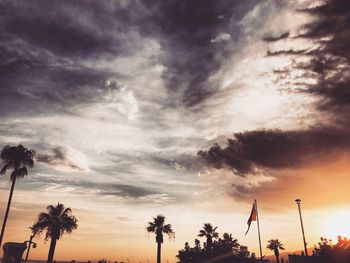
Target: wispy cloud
117 97
59 158
318 67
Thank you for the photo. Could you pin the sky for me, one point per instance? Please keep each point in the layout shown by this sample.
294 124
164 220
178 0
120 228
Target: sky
191 109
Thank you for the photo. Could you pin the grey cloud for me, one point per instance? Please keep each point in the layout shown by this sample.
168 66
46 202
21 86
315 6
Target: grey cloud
188 29
328 66
46 52
128 191
276 149
58 158
166 160
275 38
43 85
124 218
63 28
45 56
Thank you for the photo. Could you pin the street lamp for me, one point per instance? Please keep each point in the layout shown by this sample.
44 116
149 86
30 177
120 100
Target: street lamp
298 201
30 242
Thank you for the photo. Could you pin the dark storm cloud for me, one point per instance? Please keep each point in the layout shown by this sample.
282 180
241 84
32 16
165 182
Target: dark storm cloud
275 149
61 27
45 51
38 70
43 89
275 38
45 44
189 28
331 61
329 67
288 52
58 158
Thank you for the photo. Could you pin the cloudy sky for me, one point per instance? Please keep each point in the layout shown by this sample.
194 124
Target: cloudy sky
187 108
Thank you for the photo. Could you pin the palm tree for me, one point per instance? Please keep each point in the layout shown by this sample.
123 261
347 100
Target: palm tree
17 158
159 227
275 245
57 221
230 243
210 233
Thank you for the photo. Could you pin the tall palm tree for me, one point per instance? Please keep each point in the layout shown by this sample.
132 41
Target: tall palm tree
275 245
17 158
56 221
159 227
209 232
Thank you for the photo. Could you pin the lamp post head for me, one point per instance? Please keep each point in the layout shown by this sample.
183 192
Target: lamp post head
298 201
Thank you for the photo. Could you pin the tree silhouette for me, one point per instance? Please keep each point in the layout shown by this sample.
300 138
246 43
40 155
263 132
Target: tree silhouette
159 227
275 245
226 244
223 250
230 241
56 221
17 158
323 249
209 232
326 252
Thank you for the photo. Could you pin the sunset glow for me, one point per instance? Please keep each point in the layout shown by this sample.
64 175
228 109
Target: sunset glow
140 114
337 224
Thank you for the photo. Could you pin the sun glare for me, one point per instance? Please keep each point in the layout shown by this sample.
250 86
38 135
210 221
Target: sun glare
337 224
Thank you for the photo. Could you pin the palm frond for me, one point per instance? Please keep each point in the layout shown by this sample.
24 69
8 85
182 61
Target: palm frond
202 233
56 221
4 168
151 229
159 227
17 158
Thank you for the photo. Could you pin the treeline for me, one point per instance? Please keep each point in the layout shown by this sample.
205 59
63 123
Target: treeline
224 249
326 252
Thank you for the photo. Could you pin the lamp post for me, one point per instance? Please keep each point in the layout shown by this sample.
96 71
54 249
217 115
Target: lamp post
30 242
298 201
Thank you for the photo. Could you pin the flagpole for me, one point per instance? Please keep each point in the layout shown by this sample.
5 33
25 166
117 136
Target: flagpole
257 220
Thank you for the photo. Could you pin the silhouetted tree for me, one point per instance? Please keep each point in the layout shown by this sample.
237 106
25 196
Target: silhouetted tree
275 245
186 254
17 158
197 244
326 252
209 232
159 227
229 243
223 250
343 243
323 249
243 252
57 221
197 251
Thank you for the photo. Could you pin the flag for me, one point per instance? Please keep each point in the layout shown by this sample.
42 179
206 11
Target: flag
252 216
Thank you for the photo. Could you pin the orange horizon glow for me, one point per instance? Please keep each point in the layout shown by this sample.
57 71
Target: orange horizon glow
81 245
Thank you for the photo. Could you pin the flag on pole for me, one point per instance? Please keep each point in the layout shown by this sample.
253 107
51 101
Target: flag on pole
252 217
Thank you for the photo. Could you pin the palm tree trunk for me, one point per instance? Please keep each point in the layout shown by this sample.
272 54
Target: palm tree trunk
52 250
277 258
7 210
159 248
